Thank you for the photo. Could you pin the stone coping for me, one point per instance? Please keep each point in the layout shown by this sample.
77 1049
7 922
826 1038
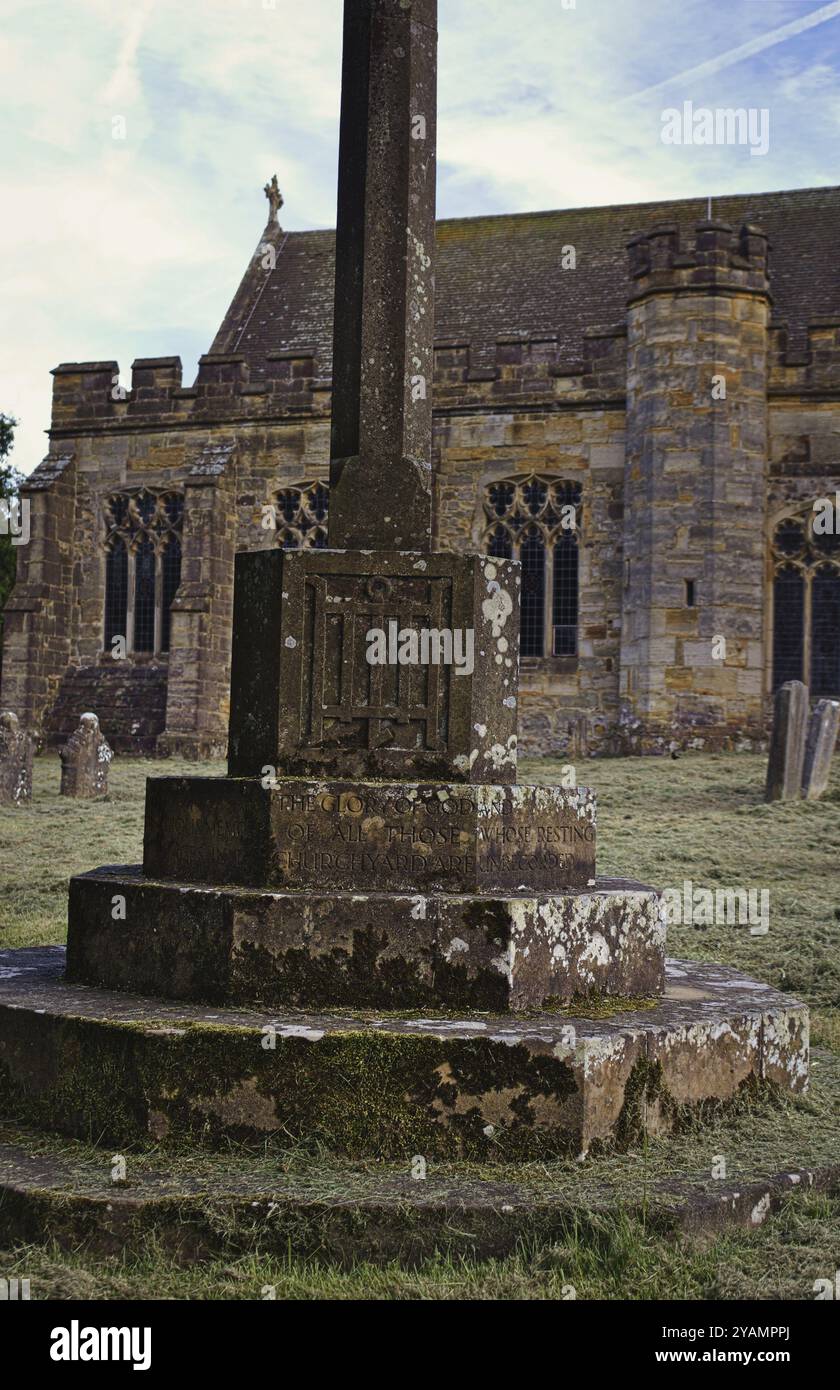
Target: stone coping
122 1068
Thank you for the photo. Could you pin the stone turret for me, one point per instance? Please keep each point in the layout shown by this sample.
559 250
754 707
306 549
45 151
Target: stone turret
692 651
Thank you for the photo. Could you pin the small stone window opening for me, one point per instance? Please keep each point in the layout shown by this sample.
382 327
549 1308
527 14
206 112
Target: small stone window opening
806 606
142 568
690 594
301 513
536 520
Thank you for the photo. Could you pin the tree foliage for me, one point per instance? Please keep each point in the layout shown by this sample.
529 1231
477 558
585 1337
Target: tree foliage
10 481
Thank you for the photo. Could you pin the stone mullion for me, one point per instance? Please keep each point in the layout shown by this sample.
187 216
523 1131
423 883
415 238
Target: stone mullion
158 623
129 598
548 580
807 618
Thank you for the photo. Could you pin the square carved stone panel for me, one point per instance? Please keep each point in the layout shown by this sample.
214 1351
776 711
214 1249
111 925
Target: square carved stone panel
439 697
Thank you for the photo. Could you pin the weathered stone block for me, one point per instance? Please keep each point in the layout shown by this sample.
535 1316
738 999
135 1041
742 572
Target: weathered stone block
787 745
16 752
306 699
401 836
378 950
819 748
85 760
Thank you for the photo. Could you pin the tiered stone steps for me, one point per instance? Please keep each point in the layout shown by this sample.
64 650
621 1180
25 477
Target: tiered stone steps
99 1064
198 1203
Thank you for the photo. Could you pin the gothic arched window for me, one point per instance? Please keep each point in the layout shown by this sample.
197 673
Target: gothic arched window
806 605
536 520
142 568
300 516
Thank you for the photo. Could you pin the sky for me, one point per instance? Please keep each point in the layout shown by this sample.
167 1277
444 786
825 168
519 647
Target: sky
137 135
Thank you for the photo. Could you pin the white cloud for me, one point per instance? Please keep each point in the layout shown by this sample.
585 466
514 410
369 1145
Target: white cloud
114 248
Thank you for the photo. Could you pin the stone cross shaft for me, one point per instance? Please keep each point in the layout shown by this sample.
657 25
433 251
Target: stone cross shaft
383 344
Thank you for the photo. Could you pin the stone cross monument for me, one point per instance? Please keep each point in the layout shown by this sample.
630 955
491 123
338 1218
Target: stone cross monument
372 751
370 847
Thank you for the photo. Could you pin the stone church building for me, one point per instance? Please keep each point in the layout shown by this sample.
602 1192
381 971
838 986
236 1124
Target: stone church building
640 403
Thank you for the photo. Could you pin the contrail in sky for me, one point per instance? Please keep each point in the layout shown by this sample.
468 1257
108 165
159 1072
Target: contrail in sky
746 50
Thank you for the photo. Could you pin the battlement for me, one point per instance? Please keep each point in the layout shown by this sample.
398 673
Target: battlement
814 367
532 367
717 258
89 394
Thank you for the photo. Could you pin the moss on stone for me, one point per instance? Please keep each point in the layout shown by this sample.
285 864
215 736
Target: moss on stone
601 1006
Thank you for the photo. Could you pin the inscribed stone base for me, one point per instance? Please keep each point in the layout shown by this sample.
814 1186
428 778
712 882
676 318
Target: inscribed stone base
369 836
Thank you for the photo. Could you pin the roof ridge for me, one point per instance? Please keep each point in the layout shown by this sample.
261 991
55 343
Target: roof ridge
658 203
500 272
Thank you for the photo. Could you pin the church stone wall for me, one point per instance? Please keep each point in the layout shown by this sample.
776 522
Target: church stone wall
568 705
675 486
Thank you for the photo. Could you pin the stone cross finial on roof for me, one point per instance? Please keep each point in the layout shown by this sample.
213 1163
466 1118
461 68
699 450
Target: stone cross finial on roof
275 198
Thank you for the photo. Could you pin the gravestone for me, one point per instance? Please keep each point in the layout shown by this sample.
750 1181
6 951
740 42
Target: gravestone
787 743
819 748
15 761
85 760
370 848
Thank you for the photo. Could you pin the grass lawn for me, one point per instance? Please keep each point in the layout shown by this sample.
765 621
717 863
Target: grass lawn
610 1257
700 818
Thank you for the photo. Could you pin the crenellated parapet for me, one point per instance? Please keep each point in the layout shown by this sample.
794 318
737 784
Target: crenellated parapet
154 380
605 358
534 370
813 369
84 393
716 258
90 396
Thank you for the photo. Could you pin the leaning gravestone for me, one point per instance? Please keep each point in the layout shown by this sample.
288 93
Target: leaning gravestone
370 853
787 743
819 748
15 761
85 760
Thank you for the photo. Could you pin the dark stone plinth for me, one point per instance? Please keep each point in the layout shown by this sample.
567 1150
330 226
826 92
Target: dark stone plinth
16 752
787 743
120 1068
375 950
397 836
306 701
819 748
85 760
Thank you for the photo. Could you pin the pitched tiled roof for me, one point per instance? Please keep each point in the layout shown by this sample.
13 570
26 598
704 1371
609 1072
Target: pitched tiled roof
502 275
